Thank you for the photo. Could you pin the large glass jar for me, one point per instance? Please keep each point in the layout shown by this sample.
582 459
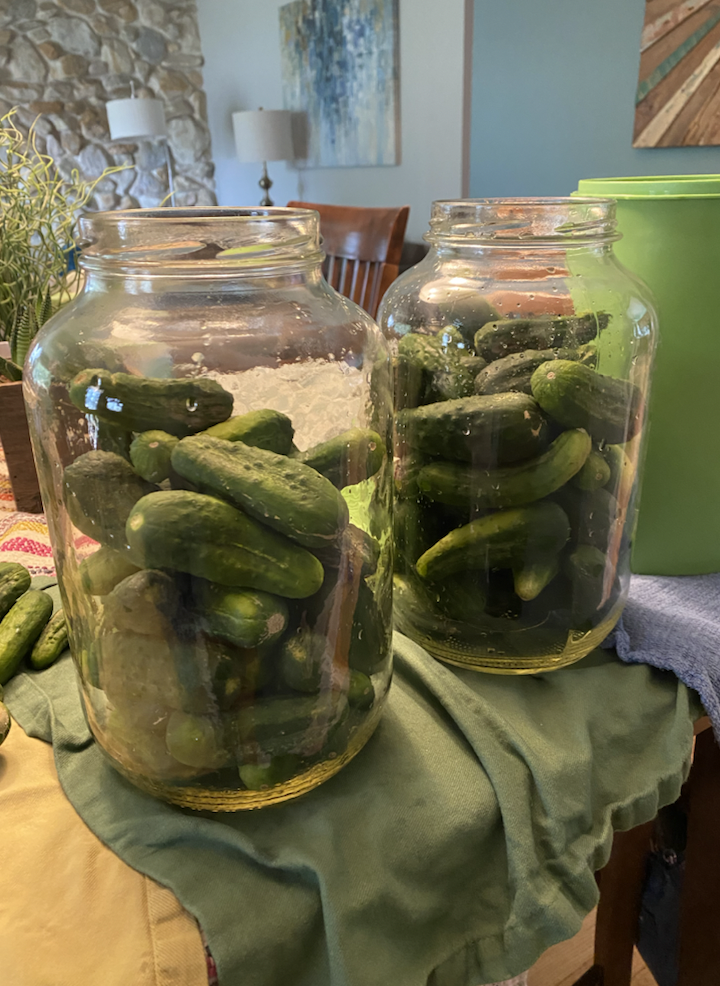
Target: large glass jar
211 422
522 359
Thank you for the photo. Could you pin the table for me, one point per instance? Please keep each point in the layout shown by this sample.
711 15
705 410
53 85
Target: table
169 935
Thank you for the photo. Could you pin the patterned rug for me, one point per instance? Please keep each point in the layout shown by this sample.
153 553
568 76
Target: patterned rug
23 537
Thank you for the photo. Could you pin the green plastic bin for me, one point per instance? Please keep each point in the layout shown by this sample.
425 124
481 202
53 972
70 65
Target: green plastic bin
671 239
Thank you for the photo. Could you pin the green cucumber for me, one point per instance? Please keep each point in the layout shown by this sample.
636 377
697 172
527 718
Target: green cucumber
272 727
361 694
303 658
509 486
194 740
100 489
500 338
260 777
513 373
146 602
347 459
150 455
595 472
284 494
14 581
244 617
268 429
237 674
530 578
20 628
178 406
498 540
577 396
203 536
50 644
101 571
497 428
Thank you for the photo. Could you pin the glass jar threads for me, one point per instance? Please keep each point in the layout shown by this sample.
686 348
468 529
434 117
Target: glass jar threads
211 423
522 357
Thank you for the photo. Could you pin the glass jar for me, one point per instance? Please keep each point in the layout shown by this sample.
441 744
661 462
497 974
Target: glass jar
211 423
522 356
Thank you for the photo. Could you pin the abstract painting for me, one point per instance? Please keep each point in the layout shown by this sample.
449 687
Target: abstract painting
678 96
340 69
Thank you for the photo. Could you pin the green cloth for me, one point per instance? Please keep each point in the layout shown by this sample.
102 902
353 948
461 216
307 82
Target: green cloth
456 847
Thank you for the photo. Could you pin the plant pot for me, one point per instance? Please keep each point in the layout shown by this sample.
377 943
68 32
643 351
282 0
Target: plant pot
15 441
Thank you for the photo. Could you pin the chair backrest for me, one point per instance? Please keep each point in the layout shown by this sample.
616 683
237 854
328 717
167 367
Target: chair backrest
363 248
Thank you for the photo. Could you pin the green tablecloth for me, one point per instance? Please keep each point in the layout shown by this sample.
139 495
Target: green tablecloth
456 847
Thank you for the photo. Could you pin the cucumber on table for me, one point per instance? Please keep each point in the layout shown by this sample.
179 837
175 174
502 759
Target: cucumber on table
4 721
14 581
50 644
20 628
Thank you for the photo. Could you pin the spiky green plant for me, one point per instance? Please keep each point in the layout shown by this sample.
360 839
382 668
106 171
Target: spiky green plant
39 212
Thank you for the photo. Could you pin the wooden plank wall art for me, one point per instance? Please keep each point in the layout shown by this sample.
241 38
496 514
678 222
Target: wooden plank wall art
678 97
340 69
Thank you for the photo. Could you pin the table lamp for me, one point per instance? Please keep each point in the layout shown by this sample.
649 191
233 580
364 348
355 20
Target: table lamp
135 119
263 135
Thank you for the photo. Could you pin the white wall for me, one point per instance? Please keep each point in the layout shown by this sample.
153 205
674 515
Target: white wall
241 45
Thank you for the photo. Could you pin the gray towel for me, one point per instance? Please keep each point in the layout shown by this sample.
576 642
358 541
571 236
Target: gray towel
674 623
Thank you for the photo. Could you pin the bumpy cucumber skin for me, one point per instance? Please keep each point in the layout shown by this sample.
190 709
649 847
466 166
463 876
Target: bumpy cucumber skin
242 617
497 428
435 368
100 489
178 406
268 429
348 458
594 473
20 628
150 455
578 397
512 335
498 540
50 644
511 486
284 494
14 581
513 373
206 537
101 571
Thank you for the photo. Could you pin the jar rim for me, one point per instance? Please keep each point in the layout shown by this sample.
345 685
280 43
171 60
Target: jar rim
508 222
212 239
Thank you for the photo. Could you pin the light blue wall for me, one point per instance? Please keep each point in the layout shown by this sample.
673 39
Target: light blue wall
553 92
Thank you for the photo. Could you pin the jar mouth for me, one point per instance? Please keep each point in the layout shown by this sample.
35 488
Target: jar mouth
509 222
205 240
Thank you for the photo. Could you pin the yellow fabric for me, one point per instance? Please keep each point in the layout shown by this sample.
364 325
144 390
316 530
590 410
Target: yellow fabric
71 912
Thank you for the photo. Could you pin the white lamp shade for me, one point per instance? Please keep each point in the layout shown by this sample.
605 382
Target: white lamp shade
263 135
130 119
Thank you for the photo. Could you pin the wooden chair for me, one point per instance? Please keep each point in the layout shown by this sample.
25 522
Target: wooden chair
363 248
621 884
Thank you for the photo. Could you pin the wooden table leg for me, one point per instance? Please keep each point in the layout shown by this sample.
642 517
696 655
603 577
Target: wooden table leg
699 943
621 886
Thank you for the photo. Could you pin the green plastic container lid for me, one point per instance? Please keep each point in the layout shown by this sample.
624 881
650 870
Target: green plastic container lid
660 186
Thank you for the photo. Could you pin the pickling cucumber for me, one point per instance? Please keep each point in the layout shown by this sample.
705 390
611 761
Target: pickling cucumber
20 628
14 581
181 406
150 455
513 335
509 486
101 571
348 458
244 617
498 540
50 644
268 429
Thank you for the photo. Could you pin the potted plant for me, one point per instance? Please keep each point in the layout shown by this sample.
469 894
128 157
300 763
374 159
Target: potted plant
39 210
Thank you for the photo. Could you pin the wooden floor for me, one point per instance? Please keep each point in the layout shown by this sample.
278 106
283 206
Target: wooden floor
563 964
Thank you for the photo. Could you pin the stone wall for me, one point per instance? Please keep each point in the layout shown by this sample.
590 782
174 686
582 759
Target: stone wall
64 59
